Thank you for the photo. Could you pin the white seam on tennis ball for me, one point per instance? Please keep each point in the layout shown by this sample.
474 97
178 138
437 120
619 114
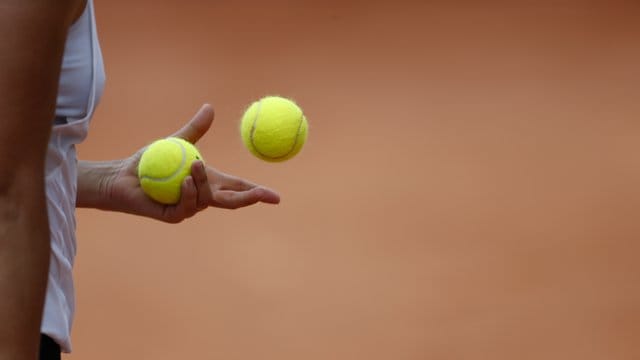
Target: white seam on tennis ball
253 129
253 125
175 173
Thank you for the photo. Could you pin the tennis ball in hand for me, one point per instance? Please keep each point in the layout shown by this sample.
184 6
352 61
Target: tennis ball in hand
274 128
163 166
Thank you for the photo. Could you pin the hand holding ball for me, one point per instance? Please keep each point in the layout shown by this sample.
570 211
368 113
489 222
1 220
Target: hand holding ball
273 128
163 167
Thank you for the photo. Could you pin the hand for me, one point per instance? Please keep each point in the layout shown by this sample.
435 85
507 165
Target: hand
205 187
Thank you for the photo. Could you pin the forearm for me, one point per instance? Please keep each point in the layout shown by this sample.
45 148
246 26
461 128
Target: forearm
93 184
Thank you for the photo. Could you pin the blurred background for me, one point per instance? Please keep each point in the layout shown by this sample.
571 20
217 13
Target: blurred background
469 190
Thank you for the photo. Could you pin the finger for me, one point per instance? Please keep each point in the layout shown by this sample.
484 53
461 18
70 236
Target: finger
229 182
203 189
186 207
238 184
268 196
193 130
233 199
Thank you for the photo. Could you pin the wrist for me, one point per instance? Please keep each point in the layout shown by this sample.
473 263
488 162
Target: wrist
95 183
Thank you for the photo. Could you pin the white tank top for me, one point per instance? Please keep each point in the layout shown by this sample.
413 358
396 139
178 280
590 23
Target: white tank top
80 87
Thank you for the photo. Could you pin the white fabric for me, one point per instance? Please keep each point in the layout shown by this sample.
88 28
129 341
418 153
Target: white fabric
81 84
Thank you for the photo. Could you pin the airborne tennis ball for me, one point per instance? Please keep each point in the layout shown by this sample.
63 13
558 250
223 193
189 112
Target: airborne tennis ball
163 167
274 128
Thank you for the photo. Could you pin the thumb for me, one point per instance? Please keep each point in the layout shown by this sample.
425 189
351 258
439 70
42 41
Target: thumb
198 125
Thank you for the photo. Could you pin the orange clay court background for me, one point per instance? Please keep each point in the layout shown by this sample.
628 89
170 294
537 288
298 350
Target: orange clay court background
469 190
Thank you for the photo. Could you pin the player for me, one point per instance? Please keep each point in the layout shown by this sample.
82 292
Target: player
51 79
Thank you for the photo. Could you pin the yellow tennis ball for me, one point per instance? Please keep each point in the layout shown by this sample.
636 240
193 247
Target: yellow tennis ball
163 166
274 128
